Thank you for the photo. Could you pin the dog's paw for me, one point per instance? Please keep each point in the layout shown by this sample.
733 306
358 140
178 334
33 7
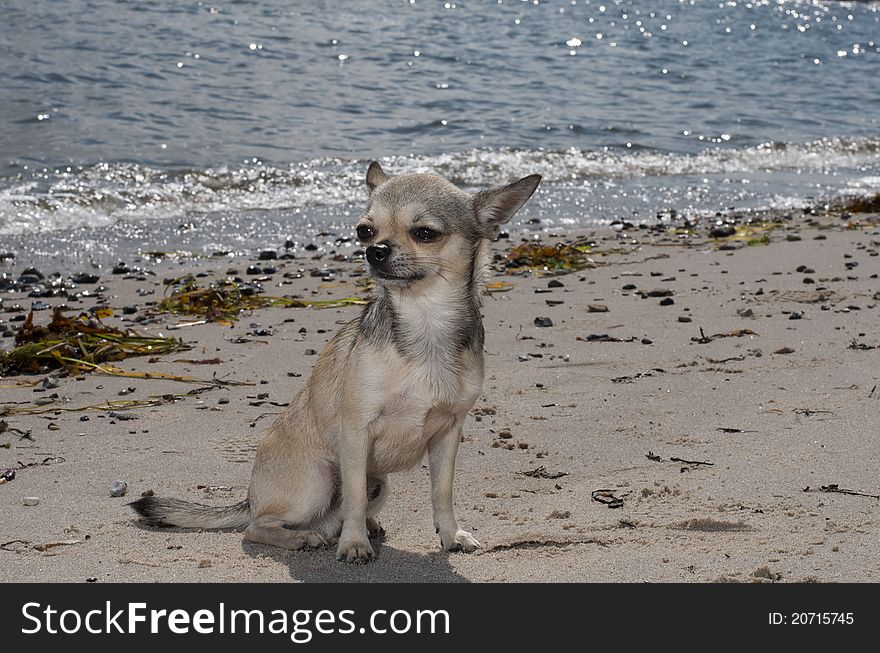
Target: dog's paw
460 541
374 528
356 551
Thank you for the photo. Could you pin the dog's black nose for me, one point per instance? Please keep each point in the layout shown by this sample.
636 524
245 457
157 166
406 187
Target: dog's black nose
378 254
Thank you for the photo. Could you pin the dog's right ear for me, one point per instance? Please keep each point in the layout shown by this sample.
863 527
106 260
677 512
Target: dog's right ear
376 176
496 206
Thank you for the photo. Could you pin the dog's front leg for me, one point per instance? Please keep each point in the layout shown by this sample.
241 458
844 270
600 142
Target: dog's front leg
354 543
442 450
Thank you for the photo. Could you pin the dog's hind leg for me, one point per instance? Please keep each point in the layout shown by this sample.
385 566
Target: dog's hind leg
272 531
289 508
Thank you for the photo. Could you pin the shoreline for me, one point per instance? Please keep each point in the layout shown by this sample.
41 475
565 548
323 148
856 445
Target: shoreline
702 381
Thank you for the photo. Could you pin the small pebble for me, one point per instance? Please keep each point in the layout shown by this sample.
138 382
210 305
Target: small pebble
31 501
118 489
543 322
667 302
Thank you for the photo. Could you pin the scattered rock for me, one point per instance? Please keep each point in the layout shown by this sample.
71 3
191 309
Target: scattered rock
118 489
31 501
543 322
722 230
597 308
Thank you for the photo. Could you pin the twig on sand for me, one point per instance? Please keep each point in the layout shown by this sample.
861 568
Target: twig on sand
690 462
835 488
809 412
541 472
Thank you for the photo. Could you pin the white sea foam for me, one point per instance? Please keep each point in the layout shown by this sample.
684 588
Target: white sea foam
106 193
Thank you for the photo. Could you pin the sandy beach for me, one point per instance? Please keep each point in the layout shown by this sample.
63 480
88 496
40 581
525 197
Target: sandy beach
699 409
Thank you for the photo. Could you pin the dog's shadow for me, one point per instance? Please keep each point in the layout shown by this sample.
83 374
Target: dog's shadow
389 566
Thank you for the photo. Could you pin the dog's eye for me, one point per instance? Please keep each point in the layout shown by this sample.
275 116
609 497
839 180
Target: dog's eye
426 235
365 233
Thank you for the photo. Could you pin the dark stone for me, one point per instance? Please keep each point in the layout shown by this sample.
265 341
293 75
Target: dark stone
543 322
722 230
267 255
667 302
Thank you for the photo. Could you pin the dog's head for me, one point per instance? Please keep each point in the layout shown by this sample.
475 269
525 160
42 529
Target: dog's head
420 227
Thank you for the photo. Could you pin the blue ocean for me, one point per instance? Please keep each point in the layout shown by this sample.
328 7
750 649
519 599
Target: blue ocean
128 126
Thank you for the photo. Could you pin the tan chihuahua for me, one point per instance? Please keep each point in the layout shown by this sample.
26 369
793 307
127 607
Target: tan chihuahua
391 384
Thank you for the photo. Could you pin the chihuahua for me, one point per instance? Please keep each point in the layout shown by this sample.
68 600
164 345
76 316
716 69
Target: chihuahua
392 384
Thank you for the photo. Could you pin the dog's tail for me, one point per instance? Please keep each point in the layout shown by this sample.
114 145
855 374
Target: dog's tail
185 514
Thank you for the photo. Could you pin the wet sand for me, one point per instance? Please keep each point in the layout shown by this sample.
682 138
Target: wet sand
707 418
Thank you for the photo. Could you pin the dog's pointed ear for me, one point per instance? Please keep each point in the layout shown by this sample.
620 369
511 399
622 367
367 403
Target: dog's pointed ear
496 206
376 176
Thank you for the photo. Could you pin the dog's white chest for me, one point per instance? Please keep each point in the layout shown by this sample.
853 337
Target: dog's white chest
399 433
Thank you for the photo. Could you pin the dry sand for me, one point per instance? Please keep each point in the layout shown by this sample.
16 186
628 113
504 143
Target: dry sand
767 425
